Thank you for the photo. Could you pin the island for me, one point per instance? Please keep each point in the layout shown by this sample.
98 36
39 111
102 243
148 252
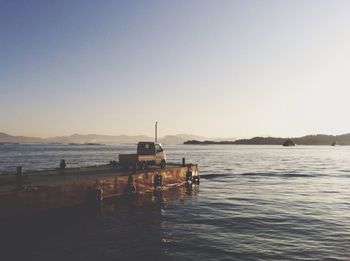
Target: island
319 139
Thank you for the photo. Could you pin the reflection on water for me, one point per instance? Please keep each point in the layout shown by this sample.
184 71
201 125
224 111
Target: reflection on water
127 228
253 203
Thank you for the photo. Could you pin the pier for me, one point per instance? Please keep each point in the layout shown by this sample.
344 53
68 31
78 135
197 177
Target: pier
33 191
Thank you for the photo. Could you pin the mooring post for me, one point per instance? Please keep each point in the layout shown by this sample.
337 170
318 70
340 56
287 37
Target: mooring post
99 194
19 177
130 188
158 180
183 161
62 166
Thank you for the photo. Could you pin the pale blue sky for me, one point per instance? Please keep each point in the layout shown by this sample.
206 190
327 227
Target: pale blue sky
212 68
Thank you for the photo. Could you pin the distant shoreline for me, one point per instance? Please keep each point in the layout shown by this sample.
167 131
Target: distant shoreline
218 143
8 143
320 139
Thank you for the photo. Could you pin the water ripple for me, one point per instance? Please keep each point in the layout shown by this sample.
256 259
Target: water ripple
254 203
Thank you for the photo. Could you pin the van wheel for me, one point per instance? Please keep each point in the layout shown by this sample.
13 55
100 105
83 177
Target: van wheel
162 164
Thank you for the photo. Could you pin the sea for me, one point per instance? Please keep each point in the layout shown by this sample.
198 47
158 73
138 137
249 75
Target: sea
253 203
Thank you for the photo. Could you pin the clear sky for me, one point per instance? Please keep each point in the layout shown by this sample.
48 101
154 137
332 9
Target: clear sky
212 68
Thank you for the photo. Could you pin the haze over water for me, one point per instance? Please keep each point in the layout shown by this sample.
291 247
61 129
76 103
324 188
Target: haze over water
253 203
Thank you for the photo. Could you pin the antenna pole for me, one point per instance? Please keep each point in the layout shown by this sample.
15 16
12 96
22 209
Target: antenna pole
156 129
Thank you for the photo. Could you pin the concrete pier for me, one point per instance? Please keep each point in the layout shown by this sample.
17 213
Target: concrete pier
56 189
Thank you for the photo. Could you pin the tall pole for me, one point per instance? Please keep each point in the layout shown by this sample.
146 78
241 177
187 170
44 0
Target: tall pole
156 127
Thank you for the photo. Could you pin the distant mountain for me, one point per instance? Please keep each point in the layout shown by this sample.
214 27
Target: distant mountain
319 139
179 139
21 139
96 138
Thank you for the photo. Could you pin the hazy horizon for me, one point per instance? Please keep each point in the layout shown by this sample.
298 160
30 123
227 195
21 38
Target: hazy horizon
208 68
177 134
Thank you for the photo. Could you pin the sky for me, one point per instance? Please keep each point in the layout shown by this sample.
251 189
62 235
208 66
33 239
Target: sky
211 68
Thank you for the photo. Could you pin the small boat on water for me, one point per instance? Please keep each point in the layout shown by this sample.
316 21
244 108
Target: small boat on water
288 143
334 143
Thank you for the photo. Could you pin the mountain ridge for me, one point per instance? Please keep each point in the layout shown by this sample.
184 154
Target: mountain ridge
98 138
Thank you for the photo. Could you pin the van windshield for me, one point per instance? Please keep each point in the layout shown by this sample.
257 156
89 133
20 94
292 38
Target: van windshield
158 148
146 149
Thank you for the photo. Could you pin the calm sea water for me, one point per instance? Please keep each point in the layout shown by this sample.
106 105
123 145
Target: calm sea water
254 203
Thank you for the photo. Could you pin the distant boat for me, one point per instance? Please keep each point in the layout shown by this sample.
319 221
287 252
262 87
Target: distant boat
334 143
288 143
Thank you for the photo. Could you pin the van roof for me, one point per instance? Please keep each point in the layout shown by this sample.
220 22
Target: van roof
149 142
